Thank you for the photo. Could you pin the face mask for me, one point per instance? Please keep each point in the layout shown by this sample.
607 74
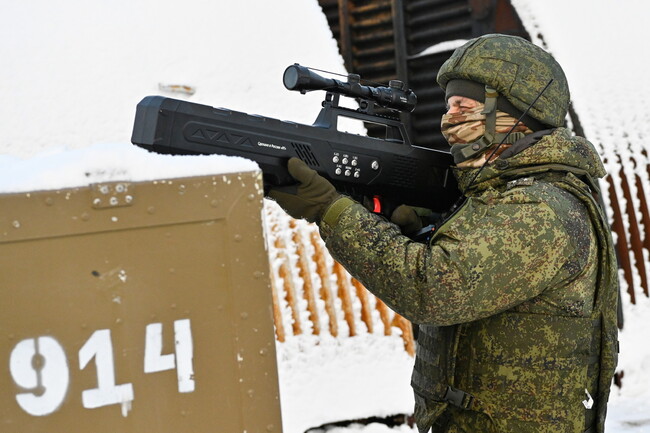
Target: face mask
465 132
465 127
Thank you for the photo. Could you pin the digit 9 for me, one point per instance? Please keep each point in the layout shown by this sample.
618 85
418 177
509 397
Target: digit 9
39 367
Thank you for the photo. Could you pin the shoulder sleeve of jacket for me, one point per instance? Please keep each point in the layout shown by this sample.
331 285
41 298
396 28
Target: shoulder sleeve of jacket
490 257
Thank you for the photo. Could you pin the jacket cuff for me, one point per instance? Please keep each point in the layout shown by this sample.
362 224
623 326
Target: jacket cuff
333 212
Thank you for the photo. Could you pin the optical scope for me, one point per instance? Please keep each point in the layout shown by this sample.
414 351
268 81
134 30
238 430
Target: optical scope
395 96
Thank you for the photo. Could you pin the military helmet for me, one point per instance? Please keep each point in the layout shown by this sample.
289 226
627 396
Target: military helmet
516 69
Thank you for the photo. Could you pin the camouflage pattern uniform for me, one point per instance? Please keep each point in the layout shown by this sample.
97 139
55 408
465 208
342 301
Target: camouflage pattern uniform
515 294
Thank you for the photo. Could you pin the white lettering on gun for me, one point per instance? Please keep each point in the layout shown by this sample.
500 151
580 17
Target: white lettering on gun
272 146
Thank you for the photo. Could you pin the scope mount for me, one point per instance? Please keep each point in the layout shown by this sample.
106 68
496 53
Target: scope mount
329 114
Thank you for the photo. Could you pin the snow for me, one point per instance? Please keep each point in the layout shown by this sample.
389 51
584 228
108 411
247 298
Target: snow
370 428
73 71
107 162
440 48
353 378
629 408
326 379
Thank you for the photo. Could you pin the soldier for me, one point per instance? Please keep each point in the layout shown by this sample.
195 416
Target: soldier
515 293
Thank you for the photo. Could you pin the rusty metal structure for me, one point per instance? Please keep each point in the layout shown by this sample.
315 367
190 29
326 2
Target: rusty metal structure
403 39
631 243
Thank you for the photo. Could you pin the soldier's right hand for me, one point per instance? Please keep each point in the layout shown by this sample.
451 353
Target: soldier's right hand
309 198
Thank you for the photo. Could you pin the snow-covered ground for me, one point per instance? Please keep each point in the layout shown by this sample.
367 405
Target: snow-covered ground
629 408
369 428
354 378
73 71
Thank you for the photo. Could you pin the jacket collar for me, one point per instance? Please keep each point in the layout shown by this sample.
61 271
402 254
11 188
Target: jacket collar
549 150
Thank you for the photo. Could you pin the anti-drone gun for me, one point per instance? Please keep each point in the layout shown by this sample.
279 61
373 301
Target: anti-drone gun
385 172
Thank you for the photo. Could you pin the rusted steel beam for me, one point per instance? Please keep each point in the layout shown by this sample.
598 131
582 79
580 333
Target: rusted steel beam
431 107
401 55
434 32
633 229
377 66
507 21
418 6
345 39
377 51
436 16
622 249
375 37
373 7
373 22
645 218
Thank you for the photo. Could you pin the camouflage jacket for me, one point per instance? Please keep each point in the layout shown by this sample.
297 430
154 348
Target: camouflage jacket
524 242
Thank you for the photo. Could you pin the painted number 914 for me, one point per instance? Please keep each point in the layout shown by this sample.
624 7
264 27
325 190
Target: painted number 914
39 367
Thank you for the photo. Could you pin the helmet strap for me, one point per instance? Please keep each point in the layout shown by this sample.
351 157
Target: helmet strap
491 135
490 112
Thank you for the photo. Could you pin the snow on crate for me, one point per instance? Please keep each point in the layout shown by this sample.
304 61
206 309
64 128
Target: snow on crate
342 353
106 163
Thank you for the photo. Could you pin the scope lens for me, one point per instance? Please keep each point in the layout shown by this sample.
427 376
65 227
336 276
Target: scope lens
290 78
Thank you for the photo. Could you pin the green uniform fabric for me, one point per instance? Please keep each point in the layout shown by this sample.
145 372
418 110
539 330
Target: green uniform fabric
515 293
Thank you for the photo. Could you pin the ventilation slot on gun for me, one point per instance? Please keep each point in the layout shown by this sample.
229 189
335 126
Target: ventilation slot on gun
404 169
304 152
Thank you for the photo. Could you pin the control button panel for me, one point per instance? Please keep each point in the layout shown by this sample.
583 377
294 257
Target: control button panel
361 167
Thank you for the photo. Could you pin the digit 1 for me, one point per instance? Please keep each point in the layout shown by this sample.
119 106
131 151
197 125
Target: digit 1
100 347
155 361
184 355
39 366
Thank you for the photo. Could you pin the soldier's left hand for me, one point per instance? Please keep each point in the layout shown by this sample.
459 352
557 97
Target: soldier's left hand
309 198
411 219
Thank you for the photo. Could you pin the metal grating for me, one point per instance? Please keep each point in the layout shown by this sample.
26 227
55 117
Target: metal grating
402 174
304 152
